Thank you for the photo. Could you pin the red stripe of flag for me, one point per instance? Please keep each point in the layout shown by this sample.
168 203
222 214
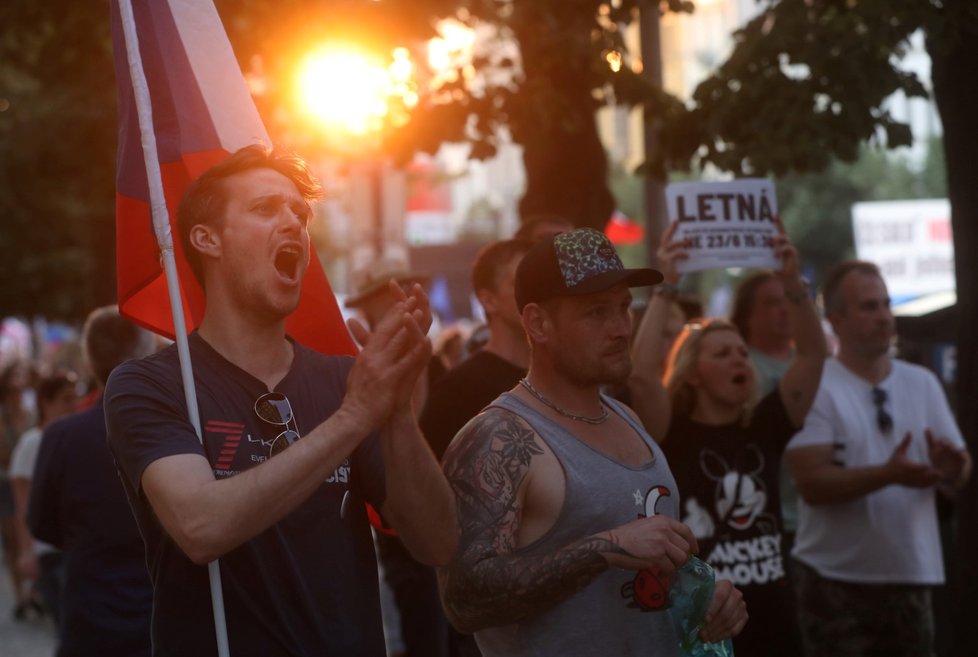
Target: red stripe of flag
202 111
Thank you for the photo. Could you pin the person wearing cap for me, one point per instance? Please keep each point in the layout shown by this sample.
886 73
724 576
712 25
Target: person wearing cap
566 506
371 296
724 441
419 626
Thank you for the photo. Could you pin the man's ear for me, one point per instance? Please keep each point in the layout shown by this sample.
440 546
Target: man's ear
206 240
834 318
487 300
537 323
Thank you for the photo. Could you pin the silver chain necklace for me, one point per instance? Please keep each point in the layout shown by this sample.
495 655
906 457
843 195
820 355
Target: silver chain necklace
580 418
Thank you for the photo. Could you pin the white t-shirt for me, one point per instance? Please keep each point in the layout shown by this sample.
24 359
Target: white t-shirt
890 535
22 462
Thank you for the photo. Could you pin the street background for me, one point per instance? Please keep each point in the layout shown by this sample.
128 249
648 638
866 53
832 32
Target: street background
28 638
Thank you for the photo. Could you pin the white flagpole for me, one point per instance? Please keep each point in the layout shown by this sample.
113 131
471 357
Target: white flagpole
164 237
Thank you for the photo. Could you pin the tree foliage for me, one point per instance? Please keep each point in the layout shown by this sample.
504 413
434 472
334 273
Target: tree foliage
545 99
57 136
816 207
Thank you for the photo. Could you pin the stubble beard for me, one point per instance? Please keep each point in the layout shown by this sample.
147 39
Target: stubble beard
585 374
263 303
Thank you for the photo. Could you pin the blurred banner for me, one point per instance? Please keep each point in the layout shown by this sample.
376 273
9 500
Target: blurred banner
911 242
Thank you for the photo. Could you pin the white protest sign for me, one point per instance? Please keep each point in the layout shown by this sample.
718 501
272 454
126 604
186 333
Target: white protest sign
911 241
725 224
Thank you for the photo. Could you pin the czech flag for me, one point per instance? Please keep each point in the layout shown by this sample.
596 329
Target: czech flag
202 112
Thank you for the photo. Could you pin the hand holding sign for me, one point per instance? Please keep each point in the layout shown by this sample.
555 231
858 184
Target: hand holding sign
670 252
725 224
785 253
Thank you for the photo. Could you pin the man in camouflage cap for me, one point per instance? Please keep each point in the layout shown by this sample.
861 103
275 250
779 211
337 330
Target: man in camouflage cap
567 508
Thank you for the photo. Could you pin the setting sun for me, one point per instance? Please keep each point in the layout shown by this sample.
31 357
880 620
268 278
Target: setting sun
344 89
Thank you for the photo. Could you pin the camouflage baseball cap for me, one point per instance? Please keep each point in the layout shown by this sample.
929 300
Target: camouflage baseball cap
577 262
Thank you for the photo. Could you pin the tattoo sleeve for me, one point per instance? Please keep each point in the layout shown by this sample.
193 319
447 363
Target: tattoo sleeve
486 584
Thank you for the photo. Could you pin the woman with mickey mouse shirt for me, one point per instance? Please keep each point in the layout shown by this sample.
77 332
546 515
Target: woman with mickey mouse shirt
724 445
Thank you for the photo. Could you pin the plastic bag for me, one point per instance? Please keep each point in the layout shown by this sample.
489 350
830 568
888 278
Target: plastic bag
689 598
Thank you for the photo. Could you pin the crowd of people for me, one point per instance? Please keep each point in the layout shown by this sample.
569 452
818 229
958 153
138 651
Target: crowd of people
532 492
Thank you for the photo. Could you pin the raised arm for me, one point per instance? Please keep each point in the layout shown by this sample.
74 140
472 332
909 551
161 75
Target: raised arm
800 383
208 517
419 502
490 466
649 348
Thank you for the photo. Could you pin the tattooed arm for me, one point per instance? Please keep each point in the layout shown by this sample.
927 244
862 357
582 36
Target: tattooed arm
489 465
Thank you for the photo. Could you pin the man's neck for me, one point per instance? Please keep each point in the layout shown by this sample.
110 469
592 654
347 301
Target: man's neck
509 346
569 396
872 369
258 348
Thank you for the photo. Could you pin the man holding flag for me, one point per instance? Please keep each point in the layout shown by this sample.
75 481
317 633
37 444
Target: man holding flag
194 435
294 441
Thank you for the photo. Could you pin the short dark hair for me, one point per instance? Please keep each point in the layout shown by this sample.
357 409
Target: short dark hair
110 340
492 258
206 197
51 386
744 297
831 297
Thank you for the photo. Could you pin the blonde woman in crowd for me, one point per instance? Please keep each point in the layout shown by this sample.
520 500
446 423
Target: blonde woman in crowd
724 445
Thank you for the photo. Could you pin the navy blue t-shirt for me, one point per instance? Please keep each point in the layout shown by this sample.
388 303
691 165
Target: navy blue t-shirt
305 586
78 504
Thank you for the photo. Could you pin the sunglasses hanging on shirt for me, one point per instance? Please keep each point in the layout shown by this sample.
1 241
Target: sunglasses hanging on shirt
274 408
883 419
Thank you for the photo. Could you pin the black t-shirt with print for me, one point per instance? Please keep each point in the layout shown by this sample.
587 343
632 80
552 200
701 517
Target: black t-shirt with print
728 479
307 585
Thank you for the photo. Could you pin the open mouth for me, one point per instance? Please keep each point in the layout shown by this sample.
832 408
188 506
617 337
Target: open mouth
739 379
287 262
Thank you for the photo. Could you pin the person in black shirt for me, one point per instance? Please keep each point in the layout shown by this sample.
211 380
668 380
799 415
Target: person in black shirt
294 442
467 388
78 504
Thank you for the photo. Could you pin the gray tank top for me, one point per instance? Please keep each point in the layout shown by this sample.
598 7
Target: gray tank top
620 614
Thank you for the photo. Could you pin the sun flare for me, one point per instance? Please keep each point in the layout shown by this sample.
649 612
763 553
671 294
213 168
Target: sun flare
344 89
